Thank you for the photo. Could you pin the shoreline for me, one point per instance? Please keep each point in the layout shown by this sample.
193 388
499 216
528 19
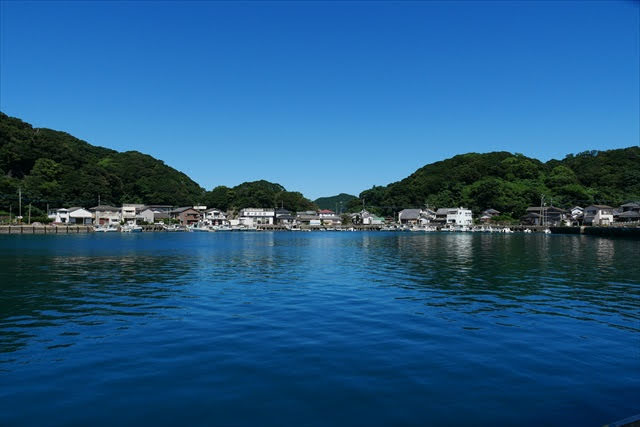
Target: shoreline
633 232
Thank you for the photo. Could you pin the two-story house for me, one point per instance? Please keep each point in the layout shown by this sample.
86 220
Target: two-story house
214 216
598 215
186 215
106 215
257 216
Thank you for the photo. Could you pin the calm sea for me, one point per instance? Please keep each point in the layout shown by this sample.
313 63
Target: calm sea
318 329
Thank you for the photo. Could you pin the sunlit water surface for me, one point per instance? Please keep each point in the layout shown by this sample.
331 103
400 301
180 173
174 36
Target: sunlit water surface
318 329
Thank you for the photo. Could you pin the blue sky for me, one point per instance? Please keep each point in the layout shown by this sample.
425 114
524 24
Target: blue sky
324 97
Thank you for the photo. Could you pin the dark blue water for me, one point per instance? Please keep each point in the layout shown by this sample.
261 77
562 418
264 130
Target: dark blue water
318 329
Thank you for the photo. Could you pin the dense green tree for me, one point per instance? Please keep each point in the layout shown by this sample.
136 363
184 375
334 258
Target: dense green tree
334 202
257 194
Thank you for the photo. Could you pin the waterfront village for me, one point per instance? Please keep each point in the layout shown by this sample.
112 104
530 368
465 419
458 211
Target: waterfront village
138 217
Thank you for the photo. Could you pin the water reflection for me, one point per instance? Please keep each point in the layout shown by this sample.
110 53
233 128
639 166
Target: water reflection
571 276
125 282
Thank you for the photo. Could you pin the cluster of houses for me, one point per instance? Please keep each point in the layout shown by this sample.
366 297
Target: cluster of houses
591 215
104 215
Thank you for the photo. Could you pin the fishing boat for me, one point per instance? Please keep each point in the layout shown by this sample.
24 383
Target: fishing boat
131 227
111 228
200 228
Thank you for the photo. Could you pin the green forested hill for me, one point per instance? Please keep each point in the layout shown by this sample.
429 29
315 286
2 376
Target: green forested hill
57 169
341 199
511 182
257 194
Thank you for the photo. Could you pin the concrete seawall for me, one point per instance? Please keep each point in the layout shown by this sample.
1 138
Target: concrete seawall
45 229
633 232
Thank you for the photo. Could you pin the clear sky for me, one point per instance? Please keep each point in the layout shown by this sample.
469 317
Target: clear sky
325 97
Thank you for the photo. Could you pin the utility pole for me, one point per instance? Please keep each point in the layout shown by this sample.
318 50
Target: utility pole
10 209
29 213
98 200
20 203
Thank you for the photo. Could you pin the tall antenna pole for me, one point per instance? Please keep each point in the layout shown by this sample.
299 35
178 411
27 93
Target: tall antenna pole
20 203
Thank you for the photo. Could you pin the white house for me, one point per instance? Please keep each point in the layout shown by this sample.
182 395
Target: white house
326 213
79 215
456 216
598 215
59 215
255 216
75 215
130 211
215 217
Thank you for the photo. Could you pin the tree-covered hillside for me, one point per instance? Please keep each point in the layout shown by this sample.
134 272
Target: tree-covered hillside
257 194
58 169
511 182
55 168
335 202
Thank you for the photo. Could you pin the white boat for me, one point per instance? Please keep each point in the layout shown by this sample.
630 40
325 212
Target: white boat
111 228
131 228
200 228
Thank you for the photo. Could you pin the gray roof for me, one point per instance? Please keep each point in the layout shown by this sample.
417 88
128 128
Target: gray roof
308 217
182 209
443 211
409 214
631 205
629 214
104 208
491 212
599 207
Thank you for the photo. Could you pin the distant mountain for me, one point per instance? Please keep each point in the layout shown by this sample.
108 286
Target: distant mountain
511 182
58 169
334 202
